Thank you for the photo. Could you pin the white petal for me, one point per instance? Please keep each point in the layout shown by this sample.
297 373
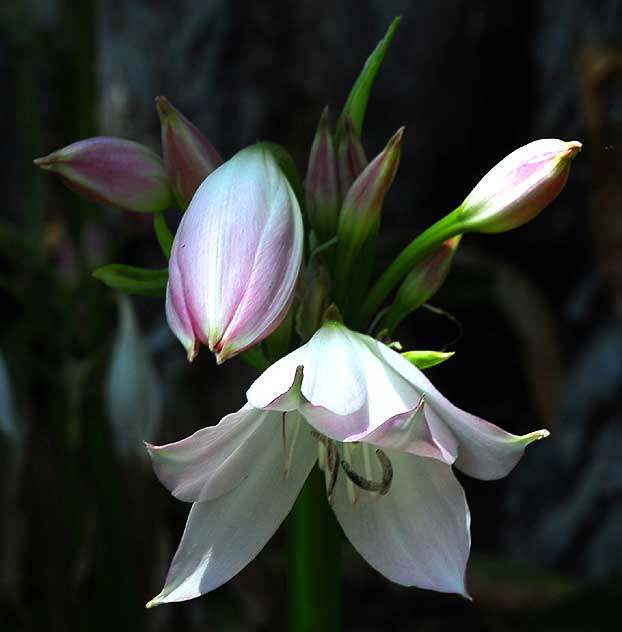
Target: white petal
413 432
213 460
418 533
224 535
485 451
347 391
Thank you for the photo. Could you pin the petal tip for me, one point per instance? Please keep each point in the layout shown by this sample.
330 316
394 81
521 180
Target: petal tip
192 351
156 601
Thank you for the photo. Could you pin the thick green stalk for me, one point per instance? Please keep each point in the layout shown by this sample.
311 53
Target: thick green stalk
447 227
313 561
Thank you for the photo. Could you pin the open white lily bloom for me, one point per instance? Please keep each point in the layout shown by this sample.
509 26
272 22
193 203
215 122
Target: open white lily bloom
386 440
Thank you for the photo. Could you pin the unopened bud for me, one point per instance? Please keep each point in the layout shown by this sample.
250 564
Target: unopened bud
423 281
321 182
519 187
188 155
351 159
236 257
361 207
112 171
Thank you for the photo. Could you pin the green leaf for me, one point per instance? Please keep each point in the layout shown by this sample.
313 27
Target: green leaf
357 100
288 167
133 280
426 359
163 234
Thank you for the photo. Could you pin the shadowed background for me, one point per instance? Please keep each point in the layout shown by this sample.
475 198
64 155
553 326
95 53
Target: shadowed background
86 531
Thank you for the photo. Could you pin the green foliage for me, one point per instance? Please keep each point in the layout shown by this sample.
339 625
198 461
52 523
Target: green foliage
133 280
356 103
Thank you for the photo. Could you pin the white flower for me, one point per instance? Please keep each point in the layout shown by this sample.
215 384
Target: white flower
386 440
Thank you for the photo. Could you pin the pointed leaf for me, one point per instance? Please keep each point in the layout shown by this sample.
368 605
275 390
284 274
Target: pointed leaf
357 100
133 280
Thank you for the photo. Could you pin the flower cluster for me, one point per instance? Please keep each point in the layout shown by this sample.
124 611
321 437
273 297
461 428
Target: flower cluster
262 265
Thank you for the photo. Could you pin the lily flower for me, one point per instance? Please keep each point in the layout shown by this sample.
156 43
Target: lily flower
236 256
386 440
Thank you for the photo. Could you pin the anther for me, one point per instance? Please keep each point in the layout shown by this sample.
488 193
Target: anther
332 463
333 458
382 486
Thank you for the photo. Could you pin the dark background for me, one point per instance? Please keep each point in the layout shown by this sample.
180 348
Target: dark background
86 531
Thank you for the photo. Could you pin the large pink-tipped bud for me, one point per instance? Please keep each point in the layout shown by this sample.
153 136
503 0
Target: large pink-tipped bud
188 155
112 171
519 187
236 256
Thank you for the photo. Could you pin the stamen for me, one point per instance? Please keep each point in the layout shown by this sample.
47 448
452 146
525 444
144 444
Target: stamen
387 471
334 471
324 444
353 491
383 486
322 456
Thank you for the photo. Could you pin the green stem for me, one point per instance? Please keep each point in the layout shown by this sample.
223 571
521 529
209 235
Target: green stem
447 227
313 561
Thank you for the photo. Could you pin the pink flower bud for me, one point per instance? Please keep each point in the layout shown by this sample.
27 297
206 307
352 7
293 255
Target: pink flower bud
351 159
361 207
423 281
321 182
112 171
519 187
188 156
236 256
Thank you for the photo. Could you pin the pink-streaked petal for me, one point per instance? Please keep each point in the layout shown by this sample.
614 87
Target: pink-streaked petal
485 451
413 433
418 533
239 250
222 536
177 311
214 460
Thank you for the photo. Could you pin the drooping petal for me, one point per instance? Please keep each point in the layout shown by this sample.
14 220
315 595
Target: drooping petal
355 388
416 434
418 533
485 451
214 460
345 390
223 535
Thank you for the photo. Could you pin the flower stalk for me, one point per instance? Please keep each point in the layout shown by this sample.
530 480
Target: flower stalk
313 569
